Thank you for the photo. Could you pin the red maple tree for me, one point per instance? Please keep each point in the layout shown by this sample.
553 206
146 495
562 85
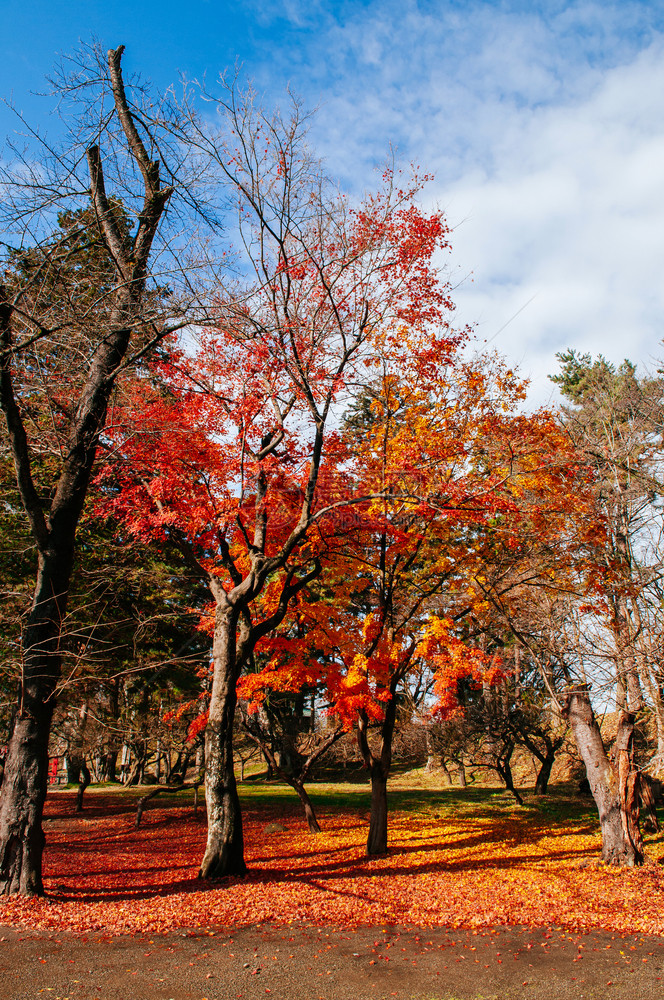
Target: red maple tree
229 449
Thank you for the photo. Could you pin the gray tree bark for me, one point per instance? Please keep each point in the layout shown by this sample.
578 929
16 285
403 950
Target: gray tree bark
614 787
224 851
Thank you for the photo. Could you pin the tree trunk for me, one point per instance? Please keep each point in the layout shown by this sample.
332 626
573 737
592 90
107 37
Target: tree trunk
296 779
23 796
379 769
26 767
544 773
173 775
446 772
307 805
647 795
112 749
377 839
72 767
224 853
26 772
84 773
504 769
659 759
110 764
629 782
610 791
431 755
178 772
135 776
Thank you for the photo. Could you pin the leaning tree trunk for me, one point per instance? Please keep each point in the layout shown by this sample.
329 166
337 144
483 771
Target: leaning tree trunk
504 769
296 781
614 788
307 805
297 778
224 852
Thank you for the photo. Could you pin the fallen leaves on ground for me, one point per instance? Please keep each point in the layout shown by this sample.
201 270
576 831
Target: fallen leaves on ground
466 871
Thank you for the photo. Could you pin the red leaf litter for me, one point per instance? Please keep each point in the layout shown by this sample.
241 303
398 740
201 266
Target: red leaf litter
102 874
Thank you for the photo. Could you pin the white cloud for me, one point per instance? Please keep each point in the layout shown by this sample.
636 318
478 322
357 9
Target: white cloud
543 124
572 213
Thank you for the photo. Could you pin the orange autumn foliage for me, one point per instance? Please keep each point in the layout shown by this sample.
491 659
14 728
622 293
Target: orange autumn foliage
448 471
454 661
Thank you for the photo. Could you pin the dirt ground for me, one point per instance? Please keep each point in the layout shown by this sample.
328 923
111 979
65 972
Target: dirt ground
308 963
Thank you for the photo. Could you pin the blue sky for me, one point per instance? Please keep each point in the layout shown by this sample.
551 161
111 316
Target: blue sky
542 122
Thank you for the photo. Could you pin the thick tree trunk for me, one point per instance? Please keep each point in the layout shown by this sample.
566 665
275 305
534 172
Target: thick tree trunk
26 767
611 787
377 839
224 853
24 790
629 783
72 767
23 796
